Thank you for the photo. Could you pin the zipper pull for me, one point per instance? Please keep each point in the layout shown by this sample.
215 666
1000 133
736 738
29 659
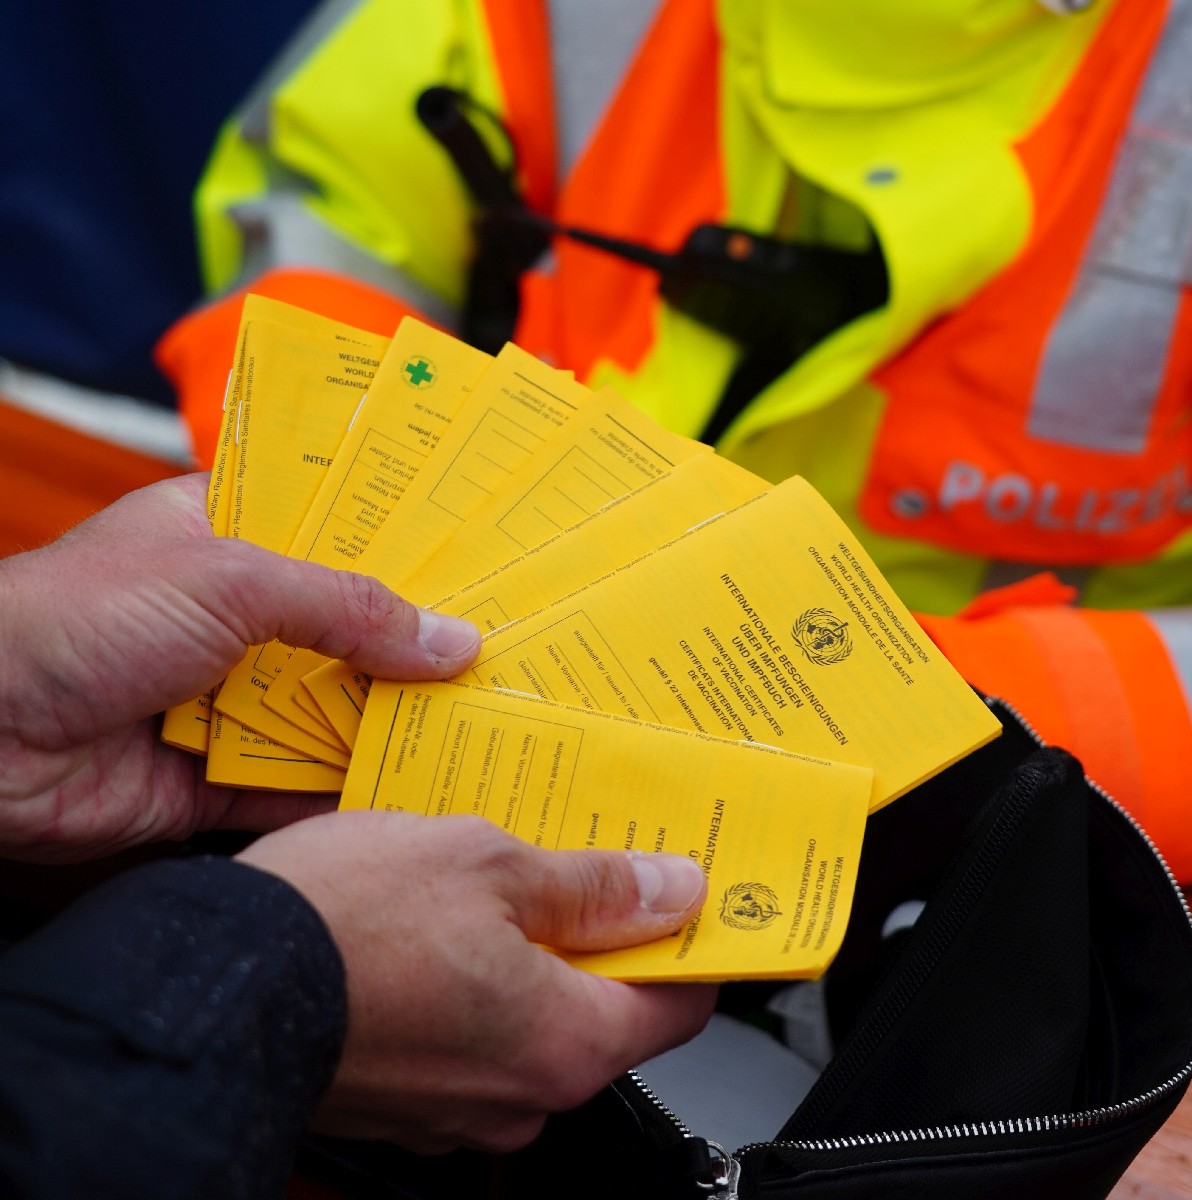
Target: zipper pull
727 1178
701 1170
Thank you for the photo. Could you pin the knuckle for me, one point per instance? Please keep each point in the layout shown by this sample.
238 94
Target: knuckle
573 1091
378 608
570 1066
479 851
604 887
515 1133
376 621
491 847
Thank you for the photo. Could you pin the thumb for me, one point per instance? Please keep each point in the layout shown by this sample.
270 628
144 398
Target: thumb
604 899
339 614
264 595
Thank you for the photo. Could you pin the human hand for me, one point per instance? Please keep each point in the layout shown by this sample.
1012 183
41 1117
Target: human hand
462 1029
140 608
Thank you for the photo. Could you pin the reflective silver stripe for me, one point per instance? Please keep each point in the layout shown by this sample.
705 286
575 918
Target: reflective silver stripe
1174 626
1001 573
311 34
109 416
278 231
591 45
1065 7
1105 356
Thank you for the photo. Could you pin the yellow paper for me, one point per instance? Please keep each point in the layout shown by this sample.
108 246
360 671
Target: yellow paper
188 726
630 527
778 835
339 693
696 489
286 319
424 379
314 739
251 760
769 624
311 712
515 408
608 451
300 391
714 666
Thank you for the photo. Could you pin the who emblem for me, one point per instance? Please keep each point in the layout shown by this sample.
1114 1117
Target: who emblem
749 906
823 637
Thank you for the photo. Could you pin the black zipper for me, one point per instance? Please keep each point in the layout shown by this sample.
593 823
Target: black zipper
729 1171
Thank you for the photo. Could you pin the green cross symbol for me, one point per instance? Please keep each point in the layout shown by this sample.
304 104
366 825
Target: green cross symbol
418 369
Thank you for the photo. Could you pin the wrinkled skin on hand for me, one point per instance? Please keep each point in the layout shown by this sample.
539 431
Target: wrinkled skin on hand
140 608
462 1029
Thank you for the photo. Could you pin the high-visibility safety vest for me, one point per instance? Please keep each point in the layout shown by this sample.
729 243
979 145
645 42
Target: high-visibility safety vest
1021 402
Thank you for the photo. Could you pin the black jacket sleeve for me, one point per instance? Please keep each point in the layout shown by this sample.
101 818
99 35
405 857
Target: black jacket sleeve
167 1036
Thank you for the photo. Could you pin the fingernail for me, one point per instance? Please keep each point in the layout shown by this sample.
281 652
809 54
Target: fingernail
666 883
444 636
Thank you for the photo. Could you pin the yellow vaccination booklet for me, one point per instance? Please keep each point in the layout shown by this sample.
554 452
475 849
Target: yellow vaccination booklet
779 836
188 725
768 624
422 380
678 656
607 453
512 413
299 389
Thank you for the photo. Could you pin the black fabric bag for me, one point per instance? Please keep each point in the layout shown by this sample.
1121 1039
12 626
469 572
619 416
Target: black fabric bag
1024 1038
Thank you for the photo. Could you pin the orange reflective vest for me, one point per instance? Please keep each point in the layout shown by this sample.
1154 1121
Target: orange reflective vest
970 424
61 476
1048 418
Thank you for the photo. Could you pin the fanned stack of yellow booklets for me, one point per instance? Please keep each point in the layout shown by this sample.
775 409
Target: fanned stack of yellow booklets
677 656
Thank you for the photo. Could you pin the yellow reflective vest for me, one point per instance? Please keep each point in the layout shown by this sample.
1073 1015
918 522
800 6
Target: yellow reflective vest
1020 400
